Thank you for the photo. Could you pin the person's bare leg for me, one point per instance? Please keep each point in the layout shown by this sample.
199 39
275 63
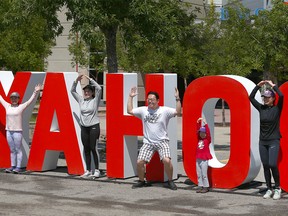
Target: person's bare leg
168 167
141 169
141 174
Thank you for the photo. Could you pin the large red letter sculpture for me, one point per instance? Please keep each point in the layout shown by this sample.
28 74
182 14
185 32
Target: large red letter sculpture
55 129
23 83
122 129
283 156
201 96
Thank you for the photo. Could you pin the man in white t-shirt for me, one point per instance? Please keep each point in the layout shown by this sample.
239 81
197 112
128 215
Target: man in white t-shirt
155 120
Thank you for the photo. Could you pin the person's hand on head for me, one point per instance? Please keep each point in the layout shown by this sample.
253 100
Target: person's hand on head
201 119
270 83
261 83
87 76
79 78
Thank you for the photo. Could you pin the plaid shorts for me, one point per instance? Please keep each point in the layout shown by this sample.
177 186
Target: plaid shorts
148 149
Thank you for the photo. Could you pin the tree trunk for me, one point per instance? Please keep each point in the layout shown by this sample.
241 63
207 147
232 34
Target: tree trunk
185 83
267 75
223 114
110 40
266 68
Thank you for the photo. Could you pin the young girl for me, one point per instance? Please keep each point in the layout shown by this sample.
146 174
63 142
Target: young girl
203 155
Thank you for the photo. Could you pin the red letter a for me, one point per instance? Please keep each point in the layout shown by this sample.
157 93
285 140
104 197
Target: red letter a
55 130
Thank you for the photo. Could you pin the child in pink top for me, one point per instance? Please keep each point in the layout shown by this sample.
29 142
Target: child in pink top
203 155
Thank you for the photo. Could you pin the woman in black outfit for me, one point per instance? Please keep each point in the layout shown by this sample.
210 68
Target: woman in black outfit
269 141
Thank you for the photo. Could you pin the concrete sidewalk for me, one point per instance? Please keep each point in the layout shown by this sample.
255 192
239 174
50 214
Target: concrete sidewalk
54 193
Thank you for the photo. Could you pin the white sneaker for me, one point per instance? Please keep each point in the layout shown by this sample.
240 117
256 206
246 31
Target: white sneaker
96 174
86 174
268 194
277 194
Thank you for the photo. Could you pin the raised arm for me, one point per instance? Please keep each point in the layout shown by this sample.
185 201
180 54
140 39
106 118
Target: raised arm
208 133
254 102
36 90
277 90
73 88
3 102
94 83
132 94
281 96
198 123
98 90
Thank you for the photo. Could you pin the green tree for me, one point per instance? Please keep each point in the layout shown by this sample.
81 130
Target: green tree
227 47
170 54
89 54
243 43
156 21
25 36
270 41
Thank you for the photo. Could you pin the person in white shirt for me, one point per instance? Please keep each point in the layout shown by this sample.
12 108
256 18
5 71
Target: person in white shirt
14 112
155 120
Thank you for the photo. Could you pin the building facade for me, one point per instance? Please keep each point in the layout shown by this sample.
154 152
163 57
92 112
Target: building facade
60 59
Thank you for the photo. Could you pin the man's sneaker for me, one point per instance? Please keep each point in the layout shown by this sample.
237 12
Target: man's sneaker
86 174
172 185
277 194
268 194
17 170
96 174
139 184
9 170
